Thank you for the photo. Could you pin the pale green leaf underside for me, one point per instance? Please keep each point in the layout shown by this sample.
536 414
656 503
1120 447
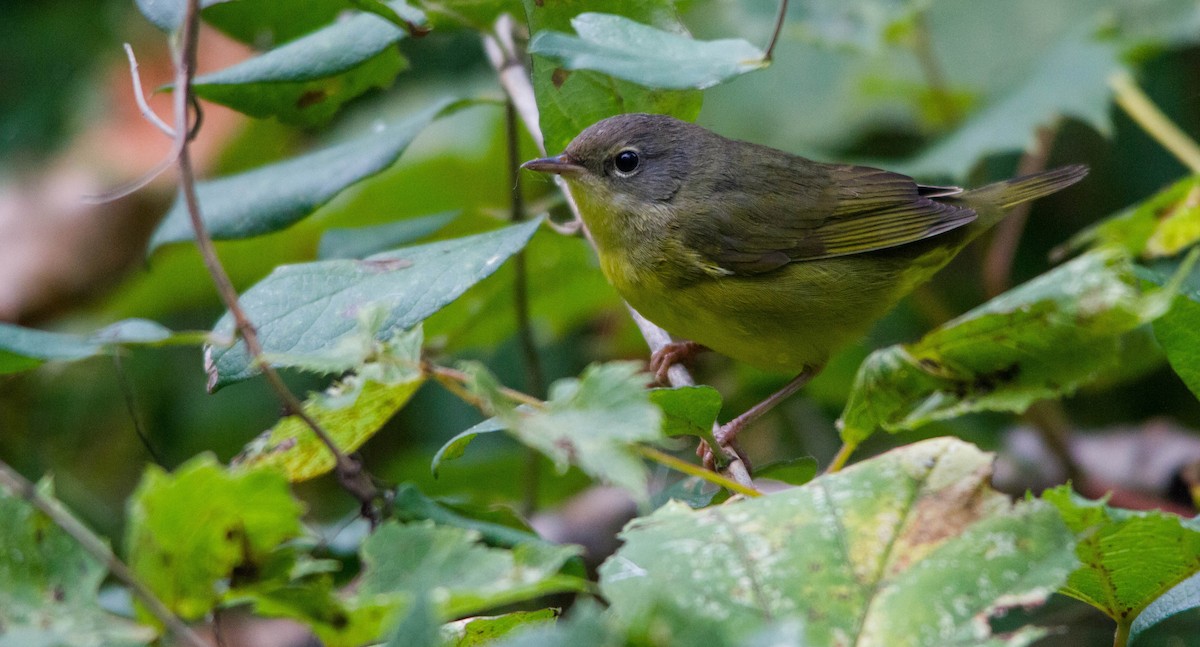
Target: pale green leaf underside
629 50
25 348
909 548
307 309
276 196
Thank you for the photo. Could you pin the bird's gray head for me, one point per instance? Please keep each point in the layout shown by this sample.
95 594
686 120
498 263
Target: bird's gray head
646 157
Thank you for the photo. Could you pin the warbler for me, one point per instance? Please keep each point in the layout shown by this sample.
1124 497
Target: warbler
767 257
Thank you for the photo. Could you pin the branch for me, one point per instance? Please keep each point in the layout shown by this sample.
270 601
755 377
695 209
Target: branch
514 79
1147 115
779 19
95 546
349 471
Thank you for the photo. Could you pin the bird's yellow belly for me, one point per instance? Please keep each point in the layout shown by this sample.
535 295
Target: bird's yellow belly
785 320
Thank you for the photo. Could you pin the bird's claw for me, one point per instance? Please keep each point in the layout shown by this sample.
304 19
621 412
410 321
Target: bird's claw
673 353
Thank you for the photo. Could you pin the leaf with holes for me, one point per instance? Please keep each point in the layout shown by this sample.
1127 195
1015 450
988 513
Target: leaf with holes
190 530
909 548
50 591
1039 340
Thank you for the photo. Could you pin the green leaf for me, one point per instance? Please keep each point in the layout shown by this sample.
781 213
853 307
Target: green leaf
479 15
167 14
569 101
1040 340
351 412
22 348
794 471
1183 598
495 529
295 586
866 24
592 422
688 410
461 575
305 81
909 548
1178 332
49 592
1159 227
307 309
457 446
586 626
364 241
259 22
276 196
1071 80
1128 558
419 627
482 630
191 530
629 50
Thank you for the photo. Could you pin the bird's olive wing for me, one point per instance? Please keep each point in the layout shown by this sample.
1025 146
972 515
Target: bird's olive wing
839 211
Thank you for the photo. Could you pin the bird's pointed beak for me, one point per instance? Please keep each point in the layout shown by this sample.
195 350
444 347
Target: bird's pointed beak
559 165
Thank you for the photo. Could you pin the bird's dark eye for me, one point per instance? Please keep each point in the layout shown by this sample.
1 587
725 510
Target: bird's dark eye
626 161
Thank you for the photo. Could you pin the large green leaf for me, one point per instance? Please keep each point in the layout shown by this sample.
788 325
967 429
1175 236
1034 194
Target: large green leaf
308 309
26 348
1040 340
276 196
49 592
629 50
305 81
1178 332
1128 558
570 101
1070 80
908 548
191 530
364 241
462 576
591 422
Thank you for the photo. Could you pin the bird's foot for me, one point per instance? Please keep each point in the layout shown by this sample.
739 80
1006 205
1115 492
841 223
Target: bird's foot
673 353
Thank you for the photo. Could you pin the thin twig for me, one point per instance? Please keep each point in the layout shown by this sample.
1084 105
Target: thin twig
456 376
131 407
1147 115
147 112
535 381
95 546
779 20
840 458
349 471
514 79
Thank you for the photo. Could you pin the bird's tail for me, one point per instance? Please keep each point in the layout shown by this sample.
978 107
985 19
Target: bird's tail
1010 193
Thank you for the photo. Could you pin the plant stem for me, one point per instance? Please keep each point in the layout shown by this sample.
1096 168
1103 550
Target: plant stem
681 465
779 20
840 458
455 375
534 379
349 472
1147 115
1121 637
95 546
